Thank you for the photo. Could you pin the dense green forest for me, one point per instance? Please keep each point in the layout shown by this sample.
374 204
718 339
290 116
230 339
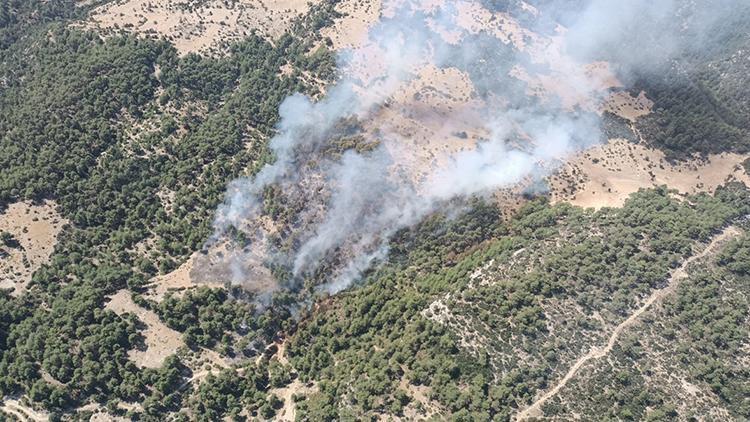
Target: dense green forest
701 98
67 122
108 127
584 264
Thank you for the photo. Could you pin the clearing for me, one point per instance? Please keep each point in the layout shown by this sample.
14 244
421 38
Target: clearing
160 340
22 412
198 270
605 175
296 387
206 26
34 229
622 104
351 29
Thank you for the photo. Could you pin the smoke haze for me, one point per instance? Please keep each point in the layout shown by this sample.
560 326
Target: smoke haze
445 100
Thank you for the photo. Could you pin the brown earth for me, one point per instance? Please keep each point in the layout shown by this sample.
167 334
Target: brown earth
22 412
436 112
351 29
205 27
175 282
296 387
623 104
160 340
35 227
604 176
100 413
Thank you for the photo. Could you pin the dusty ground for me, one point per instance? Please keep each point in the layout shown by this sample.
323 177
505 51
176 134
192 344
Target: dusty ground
35 227
436 112
203 363
425 119
160 340
420 397
351 29
100 414
288 412
604 176
623 104
176 281
216 268
415 121
198 26
22 412
224 264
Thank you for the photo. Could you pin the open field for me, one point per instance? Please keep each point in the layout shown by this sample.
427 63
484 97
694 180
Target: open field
160 341
35 228
198 26
606 175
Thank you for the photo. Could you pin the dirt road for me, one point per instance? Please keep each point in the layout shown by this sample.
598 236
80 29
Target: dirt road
23 413
679 274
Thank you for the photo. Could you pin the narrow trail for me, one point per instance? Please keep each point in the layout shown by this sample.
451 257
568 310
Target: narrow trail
535 409
21 412
195 377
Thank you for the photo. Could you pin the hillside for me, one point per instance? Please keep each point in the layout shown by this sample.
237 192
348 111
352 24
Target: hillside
365 210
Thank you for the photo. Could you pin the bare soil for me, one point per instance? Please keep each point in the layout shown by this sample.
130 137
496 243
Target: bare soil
604 176
160 340
351 30
203 27
437 113
22 412
623 104
35 227
289 412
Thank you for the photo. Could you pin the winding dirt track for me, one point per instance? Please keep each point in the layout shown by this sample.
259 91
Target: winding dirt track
535 410
21 412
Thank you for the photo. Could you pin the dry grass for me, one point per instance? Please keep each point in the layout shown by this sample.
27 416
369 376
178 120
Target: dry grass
428 121
200 28
351 30
437 113
175 282
623 104
420 395
296 387
160 340
100 413
606 175
213 269
227 263
21 412
35 227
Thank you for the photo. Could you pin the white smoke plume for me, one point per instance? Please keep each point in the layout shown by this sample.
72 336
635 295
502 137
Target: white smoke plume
348 205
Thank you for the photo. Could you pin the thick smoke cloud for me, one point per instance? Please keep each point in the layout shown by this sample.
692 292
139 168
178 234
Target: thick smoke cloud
353 203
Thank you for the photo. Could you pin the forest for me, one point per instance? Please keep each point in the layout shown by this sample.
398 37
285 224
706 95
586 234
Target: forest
107 127
66 120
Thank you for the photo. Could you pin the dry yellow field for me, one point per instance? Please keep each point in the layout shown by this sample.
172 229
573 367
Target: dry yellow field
35 227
